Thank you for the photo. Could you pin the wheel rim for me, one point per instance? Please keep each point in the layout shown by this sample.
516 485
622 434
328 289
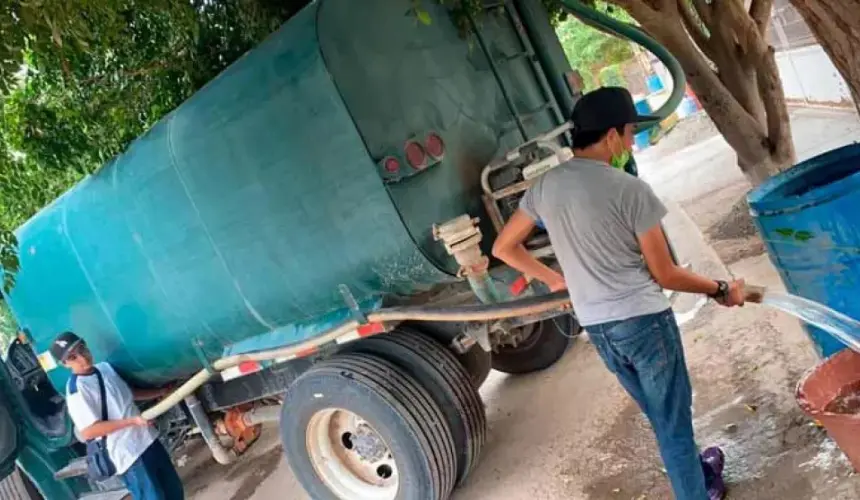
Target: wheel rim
531 332
350 457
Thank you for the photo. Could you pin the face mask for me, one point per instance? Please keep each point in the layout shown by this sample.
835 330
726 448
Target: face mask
619 160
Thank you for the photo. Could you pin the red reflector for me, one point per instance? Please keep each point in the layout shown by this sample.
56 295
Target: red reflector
391 165
248 367
370 329
519 286
415 155
435 146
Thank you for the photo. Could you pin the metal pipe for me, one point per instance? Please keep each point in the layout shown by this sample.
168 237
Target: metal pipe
495 70
549 52
221 455
262 415
484 288
540 75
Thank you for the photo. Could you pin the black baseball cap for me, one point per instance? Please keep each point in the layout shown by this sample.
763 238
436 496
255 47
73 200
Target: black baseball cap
64 344
606 108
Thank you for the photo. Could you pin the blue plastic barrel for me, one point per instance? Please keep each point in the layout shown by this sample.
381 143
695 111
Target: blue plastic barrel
809 217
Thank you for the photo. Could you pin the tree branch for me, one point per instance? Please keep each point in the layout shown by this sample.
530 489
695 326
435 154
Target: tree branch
733 15
760 12
695 30
705 11
740 128
773 97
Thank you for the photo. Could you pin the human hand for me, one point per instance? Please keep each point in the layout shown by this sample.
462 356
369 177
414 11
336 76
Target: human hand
557 284
139 421
736 295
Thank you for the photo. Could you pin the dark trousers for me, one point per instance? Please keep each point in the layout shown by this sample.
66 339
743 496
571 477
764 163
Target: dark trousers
647 356
153 477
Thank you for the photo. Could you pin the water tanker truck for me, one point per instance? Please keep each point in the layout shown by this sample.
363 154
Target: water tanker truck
305 241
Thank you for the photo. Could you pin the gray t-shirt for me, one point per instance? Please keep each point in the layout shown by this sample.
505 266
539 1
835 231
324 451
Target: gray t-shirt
593 213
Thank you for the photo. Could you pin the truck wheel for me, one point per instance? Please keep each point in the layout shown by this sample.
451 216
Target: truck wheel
447 381
544 344
357 427
478 363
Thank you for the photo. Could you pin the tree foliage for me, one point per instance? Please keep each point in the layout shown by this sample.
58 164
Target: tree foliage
590 50
80 79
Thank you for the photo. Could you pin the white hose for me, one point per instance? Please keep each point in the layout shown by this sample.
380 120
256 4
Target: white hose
524 307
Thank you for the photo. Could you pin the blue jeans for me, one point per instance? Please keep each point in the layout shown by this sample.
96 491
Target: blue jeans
647 356
153 477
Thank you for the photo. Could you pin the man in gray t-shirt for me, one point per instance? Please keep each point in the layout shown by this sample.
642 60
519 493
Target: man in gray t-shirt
604 225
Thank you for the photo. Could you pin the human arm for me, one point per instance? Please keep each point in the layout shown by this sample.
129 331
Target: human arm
509 247
644 212
104 427
667 274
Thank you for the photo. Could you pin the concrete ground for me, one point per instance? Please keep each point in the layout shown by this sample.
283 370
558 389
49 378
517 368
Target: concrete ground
571 432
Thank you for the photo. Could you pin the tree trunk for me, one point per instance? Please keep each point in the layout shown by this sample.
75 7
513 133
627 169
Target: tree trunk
744 96
836 25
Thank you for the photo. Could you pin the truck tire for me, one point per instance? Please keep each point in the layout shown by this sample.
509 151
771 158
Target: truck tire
478 363
357 427
546 344
447 381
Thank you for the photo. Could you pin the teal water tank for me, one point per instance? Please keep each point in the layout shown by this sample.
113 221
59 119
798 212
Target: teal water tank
321 158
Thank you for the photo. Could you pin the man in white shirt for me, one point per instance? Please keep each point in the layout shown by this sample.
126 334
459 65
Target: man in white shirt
132 443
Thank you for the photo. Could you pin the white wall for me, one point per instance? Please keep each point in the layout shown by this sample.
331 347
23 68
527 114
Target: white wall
808 76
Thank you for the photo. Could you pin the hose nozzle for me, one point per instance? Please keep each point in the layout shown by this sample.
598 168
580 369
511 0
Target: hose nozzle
754 293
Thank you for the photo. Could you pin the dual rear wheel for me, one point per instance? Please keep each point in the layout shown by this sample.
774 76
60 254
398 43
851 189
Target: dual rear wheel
393 417
397 416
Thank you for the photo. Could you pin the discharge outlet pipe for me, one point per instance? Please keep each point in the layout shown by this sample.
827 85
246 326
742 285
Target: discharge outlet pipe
462 239
221 455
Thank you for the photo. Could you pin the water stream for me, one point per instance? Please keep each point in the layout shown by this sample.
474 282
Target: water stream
842 327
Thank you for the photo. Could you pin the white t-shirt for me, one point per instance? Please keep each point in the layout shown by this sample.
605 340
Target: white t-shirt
126 445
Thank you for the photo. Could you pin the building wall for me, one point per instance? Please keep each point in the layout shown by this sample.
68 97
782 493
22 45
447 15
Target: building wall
808 75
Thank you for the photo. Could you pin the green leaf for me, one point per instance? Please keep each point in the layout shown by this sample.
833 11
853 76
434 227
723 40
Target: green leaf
424 17
803 236
784 231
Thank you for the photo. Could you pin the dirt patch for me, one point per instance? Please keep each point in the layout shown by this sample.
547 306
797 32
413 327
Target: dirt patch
629 462
254 473
249 472
736 224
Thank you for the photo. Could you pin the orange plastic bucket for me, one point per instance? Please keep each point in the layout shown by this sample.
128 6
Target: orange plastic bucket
830 393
